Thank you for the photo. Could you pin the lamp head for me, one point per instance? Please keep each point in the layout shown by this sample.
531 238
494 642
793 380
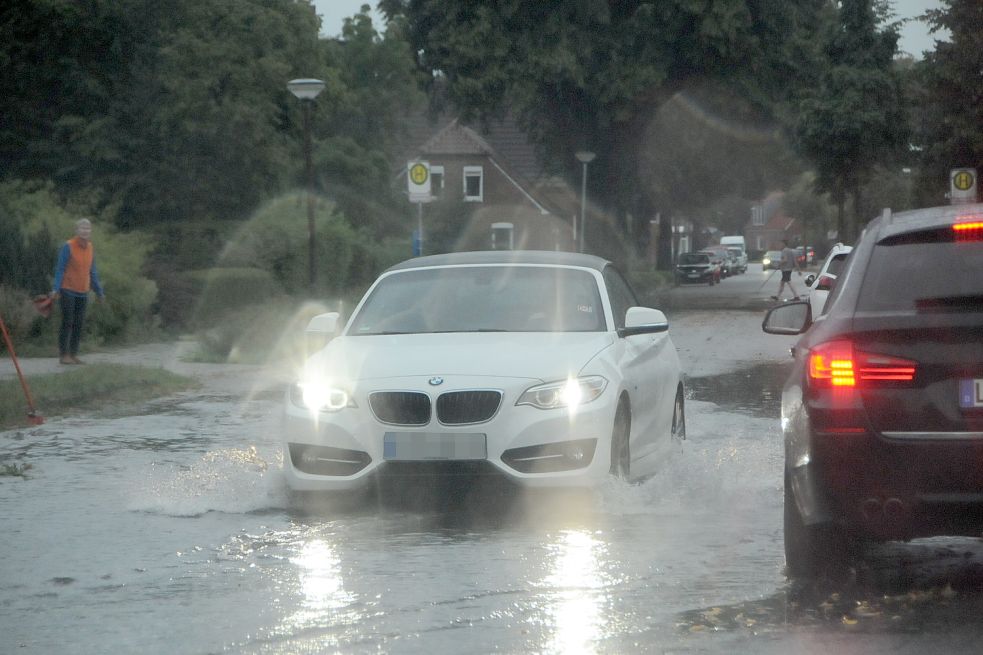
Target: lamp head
305 89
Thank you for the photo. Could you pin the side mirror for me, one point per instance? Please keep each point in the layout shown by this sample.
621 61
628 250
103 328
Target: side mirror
790 318
643 320
810 279
320 330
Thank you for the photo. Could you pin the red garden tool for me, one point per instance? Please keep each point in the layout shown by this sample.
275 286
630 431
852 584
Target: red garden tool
32 416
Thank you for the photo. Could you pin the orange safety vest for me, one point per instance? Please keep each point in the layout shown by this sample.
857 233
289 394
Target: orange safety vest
79 267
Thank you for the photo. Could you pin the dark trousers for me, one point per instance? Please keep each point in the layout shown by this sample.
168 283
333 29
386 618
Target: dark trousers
72 315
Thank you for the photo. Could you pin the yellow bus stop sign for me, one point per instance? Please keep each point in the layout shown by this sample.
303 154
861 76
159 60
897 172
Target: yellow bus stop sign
419 173
963 180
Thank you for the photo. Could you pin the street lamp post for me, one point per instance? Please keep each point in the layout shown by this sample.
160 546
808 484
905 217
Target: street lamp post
584 157
307 90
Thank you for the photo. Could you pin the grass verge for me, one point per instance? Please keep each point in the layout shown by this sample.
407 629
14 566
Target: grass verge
92 386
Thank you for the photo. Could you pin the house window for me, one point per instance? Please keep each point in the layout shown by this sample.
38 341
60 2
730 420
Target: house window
757 215
436 180
473 184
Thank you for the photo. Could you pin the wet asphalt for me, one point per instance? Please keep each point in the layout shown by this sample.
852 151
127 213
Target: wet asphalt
168 529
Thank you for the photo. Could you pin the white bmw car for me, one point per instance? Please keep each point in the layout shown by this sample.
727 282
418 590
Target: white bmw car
537 366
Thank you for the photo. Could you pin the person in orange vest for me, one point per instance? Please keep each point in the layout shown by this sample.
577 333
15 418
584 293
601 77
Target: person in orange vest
75 276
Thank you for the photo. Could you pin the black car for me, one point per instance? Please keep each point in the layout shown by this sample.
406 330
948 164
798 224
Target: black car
882 414
697 267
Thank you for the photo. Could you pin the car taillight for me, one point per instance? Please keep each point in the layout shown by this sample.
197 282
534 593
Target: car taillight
825 283
968 231
839 364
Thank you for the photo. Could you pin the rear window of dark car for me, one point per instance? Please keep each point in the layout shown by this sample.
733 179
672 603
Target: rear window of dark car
692 258
924 277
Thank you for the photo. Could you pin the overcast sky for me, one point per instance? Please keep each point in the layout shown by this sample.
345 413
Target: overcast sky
915 38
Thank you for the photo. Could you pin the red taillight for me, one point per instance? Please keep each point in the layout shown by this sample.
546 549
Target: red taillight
825 283
839 364
968 231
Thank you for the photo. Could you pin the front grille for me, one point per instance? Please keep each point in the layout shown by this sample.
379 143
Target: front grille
401 407
460 407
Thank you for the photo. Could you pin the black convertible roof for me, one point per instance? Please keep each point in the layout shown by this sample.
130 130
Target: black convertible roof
542 257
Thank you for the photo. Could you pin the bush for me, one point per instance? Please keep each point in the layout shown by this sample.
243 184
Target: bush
258 334
18 314
649 284
34 212
220 292
275 239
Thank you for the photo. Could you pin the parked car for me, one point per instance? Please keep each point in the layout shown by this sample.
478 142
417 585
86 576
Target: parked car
721 257
882 414
697 267
538 367
820 285
771 260
738 258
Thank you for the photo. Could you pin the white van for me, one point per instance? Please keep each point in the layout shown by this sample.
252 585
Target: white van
733 243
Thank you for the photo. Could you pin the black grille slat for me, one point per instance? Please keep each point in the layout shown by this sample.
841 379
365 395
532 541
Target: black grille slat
401 407
462 407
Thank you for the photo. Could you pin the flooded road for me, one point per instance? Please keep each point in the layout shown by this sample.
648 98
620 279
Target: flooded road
172 532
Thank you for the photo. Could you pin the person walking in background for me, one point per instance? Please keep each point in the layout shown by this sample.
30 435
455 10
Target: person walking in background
787 265
75 276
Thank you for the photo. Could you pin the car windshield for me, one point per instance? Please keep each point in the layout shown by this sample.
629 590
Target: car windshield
924 277
482 299
688 258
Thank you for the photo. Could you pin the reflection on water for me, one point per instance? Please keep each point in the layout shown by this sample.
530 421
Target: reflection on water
323 589
577 593
756 390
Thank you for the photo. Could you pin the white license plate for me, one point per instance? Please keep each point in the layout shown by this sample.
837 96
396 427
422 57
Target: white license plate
694 275
429 446
971 393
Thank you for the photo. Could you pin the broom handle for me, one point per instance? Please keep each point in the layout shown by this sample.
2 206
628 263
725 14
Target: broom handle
13 357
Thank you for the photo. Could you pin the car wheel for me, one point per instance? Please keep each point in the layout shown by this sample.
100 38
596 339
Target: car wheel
679 417
811 551
620 450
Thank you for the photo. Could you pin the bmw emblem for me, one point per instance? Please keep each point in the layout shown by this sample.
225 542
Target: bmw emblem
436 381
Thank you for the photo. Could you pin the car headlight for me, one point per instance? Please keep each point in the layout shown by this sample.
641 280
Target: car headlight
565 393
765 261
320 397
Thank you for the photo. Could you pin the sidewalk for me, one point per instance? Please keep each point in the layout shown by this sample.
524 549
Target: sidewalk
234 379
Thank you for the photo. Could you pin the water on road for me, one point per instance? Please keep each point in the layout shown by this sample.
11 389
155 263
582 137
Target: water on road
172 531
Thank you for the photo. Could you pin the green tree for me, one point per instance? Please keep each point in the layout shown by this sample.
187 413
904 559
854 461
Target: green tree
376 85
854 118
949 124
592 74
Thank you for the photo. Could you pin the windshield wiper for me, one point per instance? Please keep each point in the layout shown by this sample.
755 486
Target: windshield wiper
950 303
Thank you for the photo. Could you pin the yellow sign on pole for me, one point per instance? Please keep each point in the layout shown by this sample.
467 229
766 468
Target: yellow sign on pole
419 173
963 180
418 181
962 185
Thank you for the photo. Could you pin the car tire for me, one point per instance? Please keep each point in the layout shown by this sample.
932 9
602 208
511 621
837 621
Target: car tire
678 432
811 551
620 449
